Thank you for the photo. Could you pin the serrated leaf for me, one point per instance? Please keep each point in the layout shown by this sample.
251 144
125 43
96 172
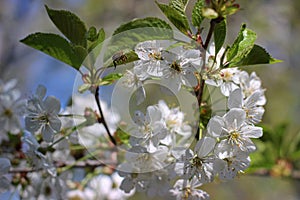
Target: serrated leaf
55 46
241 46
80 53
197 16
179 5
179 19
100 37
258 55
219 35
142 23
128 35
70 25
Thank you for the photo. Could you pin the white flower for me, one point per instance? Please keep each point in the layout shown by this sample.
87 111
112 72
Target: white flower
138 159
185 189
211 72
250 105
30 149
52 188
181 68
4 169
150 128
107 187
174 121
9 88
235 159
233 129
133 79
251 84
149 53
200 164
158 184
230 78
11 109
43 114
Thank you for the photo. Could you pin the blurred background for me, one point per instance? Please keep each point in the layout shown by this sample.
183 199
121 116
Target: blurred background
274 173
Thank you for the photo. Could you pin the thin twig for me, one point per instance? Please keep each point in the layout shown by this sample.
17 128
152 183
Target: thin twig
81 164
102 120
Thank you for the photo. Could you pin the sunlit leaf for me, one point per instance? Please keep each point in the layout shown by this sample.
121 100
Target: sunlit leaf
178 18
258 55
241 46
197 16
57 47
70 25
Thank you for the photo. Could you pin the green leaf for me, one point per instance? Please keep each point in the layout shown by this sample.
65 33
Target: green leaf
92 34
97 40
241 46
143 23
128 35
178 18
111 78
219 35
197 16
179 5
70 25
57 47
258 55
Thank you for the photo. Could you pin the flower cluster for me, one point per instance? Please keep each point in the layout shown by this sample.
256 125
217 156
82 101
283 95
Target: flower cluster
223 149
11 108
174 68
161 132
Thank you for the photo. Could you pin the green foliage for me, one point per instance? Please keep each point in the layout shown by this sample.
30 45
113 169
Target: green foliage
142 23
127 35
219 35
138 30
57 47
70 25
244 52
258 55
241 46
78 43
94 38
111 78
277 143
176 15
197 16
179 5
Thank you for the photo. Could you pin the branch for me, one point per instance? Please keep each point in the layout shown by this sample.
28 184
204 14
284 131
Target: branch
80 164
102 120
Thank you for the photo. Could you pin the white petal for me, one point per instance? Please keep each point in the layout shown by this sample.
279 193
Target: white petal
234 118
235 99
215 126
140 95
190 79
205 146
251 131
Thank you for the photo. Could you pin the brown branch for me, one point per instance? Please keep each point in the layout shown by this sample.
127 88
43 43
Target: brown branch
102 120
80 164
